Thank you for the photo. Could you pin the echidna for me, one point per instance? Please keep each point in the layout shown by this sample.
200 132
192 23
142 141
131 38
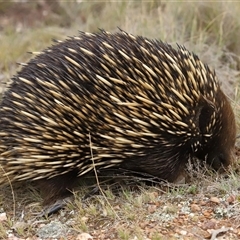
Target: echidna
145 105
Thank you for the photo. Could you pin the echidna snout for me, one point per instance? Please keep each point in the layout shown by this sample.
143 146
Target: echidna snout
218 151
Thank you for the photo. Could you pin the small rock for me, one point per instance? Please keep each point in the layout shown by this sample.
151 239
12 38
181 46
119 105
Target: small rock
152 208
3 217
231 199
183 232
211 224
207 213
215 200
84 236
54 229
195 208
202 203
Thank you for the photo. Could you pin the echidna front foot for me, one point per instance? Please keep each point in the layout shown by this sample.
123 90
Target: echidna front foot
55 190
54 208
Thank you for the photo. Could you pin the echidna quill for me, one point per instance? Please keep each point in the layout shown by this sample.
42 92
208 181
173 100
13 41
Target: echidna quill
147 106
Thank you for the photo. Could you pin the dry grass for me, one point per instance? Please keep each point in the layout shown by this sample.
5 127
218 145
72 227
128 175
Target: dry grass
188 211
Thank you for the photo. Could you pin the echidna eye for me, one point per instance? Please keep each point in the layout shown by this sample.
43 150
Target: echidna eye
205 117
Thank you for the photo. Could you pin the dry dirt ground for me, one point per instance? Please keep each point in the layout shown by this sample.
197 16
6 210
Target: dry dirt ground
207 208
